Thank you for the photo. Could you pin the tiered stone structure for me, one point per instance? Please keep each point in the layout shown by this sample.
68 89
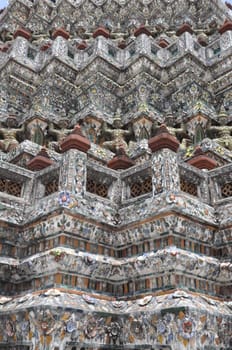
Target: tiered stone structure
115 175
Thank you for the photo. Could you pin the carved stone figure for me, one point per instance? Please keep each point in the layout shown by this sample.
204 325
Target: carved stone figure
40 37
6 35
117 134
10 134
224 133
59 133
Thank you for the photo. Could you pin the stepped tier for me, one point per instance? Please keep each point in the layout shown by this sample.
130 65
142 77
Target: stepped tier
183 78
147 321
118 16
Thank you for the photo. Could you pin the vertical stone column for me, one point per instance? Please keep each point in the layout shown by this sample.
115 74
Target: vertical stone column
80 57
19 48
165 172
116 191
143 44
101 45
28 190
226 40
187 41
60 44
205 189
226 35
73 172
214 186
3 98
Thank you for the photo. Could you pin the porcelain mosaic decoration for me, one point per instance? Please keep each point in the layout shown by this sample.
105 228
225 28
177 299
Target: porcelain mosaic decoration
115 175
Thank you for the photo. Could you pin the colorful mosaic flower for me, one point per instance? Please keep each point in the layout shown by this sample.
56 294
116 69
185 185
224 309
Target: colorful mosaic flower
71 326
187 330
25 326
189 151
58 254
161 328
64 198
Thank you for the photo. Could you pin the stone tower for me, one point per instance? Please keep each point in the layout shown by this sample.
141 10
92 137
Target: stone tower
115 175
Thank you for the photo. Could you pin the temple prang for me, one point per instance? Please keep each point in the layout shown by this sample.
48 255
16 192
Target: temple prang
116 175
